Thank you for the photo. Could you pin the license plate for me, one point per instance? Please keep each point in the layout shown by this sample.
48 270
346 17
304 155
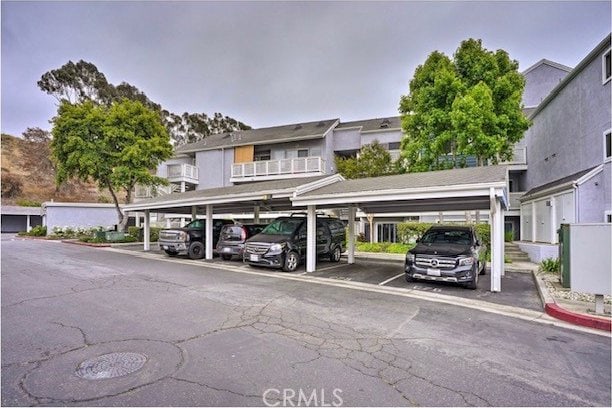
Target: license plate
226 249
165 246
254 258
433 272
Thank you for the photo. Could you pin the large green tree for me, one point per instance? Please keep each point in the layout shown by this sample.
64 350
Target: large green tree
82 81
373 161
469 105
116 145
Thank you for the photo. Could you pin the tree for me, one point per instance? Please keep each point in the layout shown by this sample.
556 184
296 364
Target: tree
117 146
82 82
373 160
38 150
466 106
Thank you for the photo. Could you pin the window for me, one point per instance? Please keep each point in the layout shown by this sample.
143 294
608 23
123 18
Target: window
387 232
302 153
606 70
262 155
394 146
608 145
292 154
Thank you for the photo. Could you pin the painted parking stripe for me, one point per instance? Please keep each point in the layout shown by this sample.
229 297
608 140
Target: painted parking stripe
391 279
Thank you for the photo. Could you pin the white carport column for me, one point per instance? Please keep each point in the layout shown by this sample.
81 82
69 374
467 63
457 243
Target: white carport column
311 245
209 231
497 243
28 224
351 234
256 214
147 231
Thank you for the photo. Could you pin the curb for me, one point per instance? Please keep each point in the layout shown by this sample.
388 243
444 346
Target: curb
89 244
593 322
553 309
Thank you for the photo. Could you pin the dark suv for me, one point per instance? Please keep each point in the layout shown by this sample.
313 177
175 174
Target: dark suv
232 238
190 239
282 244
448 254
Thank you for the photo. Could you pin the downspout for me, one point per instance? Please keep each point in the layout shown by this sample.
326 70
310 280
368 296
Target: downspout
576 203
223 167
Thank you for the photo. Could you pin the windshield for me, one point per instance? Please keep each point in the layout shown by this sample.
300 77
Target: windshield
197 224
447 237
283 226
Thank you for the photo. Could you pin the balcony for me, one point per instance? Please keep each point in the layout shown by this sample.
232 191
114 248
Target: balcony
187 173
519 157
278 169
144 192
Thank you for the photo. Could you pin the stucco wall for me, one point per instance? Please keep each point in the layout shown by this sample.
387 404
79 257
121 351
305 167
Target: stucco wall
382 137
539 252
567 135
83 216
162 169
213 172
539 82
591 195
349 139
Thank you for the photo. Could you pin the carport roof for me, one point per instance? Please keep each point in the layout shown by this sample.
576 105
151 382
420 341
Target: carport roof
242 197
444 190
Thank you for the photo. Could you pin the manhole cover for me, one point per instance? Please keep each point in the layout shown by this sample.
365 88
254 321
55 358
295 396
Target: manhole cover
110 366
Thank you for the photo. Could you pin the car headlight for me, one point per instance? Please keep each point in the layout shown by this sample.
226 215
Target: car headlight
410 257
469 261
277 247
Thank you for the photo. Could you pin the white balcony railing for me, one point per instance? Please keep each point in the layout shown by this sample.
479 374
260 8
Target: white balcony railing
143 192
272 168
183 172
519 156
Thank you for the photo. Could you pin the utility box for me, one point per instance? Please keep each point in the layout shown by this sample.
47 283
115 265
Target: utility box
590 260
564 254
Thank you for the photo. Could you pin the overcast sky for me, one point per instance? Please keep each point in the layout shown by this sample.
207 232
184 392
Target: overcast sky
273 63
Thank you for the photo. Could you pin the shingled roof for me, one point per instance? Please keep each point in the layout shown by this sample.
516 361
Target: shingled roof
293 132
374 125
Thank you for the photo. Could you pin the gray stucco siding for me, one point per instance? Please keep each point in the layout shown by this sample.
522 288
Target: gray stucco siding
539 82
211 168
80 216
591 205
382 137
567 135
349 139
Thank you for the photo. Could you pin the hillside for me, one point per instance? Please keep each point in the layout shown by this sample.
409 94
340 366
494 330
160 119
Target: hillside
28 175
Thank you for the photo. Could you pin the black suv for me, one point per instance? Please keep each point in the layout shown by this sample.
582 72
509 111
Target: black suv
282 244
189 239
232 238
448 254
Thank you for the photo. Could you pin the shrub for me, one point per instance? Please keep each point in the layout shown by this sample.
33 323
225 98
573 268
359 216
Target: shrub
37 231
24 202
11 185
409 232
508 236
135 233
384 247
550 265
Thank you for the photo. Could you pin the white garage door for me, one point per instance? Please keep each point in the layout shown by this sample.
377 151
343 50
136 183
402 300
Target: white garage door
542 209
526 221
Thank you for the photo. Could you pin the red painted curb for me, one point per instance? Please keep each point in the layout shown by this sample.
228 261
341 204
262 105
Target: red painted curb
554 310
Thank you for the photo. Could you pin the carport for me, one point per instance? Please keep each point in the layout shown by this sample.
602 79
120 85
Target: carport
477 188
243 198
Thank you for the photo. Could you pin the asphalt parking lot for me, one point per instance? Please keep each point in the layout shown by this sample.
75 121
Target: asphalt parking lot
518 288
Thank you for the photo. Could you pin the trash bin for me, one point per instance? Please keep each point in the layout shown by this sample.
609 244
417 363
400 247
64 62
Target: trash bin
564 254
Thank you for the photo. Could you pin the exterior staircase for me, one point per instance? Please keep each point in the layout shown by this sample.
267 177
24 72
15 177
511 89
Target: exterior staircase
514 253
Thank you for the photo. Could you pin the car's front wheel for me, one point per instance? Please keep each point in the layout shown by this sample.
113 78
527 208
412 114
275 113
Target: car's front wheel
196 250
292 260
473 284
335 254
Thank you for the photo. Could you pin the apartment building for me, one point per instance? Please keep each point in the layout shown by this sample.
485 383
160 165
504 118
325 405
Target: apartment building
570 110
569 152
